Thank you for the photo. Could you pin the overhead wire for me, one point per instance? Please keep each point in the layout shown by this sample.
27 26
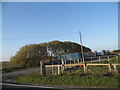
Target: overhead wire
45 36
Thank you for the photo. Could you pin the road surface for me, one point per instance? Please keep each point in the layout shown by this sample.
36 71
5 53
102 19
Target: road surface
15 86
30 86
12 86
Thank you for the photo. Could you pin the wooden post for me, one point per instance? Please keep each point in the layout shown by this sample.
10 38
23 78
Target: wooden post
114 66
70 63
85 67
117 57
108 59
74 61
52 70
99 58
41 72
109 66
78 61
42 68
58 69
63 66
91 59
65 62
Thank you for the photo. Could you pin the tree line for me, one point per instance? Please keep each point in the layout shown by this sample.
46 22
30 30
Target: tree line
30 55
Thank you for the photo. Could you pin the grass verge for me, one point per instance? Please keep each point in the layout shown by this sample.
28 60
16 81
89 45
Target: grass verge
75 80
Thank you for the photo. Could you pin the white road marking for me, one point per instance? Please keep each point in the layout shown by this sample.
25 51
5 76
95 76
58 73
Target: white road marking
19 85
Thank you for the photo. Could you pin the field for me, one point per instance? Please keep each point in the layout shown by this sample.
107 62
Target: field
96 76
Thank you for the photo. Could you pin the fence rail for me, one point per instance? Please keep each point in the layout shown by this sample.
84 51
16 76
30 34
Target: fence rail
61 68
64 65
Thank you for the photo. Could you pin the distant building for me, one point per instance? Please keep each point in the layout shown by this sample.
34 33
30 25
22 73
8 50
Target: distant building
68 57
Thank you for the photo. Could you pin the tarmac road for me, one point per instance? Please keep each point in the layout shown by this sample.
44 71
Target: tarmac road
11 86
19 86
34 87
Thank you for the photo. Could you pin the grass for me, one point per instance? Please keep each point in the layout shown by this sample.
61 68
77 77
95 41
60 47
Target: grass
97 76
78 80
112 60
101 78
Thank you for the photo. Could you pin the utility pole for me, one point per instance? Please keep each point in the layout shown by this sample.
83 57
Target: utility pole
81 47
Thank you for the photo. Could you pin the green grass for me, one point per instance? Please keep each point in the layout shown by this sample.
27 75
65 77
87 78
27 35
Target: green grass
79 80
97 76
112 60
101 78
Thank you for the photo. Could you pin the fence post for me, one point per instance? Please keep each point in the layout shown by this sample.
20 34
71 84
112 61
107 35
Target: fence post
74 61
58 69
63 65
70 63
99 58
78 61
108 59
52 70
114 66
85 67
42 68
109 66
117 57
91 59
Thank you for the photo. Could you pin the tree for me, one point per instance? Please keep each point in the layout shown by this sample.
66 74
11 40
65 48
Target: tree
116 51
31 54
108 52
104 52
28 56
58 48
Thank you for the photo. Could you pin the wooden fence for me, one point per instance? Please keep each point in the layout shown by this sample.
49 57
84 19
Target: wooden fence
63 66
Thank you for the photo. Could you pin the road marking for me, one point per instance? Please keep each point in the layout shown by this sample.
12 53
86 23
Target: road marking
19 85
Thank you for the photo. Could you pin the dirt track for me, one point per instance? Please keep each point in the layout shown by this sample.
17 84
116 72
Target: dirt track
19 73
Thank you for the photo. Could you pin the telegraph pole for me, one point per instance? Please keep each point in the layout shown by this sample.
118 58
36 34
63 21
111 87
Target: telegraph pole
81 47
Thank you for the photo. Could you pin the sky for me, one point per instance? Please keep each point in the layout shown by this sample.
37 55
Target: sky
26 23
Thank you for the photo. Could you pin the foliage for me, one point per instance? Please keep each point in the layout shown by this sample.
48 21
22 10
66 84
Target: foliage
116 51
59 48
30 55
106 52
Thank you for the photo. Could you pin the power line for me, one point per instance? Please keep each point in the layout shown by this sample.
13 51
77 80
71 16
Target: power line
46 36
